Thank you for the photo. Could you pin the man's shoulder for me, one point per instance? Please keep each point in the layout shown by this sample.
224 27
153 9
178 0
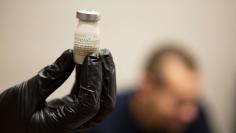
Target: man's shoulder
201 123
116 120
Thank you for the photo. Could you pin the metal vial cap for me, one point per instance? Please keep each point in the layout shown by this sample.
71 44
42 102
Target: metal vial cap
88 15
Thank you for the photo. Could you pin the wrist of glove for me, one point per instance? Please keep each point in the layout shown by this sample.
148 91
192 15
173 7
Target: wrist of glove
92 97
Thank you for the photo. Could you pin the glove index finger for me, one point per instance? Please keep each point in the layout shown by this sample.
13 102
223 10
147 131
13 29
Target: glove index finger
90 84
108 99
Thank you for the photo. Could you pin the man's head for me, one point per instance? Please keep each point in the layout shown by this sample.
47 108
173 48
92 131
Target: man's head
168 93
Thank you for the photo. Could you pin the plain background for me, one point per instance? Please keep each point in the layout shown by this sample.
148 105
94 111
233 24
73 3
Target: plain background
33 33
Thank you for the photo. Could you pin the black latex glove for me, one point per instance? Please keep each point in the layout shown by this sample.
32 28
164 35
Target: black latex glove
23 108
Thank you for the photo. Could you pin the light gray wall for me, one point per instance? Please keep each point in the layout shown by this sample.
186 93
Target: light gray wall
33 33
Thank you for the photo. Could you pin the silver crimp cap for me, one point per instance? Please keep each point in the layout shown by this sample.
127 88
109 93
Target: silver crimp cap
88 15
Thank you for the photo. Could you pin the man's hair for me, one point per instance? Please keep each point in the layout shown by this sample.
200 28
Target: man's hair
153 65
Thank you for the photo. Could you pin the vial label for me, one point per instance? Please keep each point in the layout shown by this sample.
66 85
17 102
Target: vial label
85 44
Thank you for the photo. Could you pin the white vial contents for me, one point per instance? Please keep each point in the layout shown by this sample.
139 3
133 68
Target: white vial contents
87 34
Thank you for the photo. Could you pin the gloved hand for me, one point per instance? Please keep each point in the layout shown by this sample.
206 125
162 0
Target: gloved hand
23 108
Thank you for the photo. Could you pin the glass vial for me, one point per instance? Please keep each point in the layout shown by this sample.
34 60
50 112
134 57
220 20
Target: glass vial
87 34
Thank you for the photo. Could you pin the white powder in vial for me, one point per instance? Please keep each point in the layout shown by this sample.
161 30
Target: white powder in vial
87 34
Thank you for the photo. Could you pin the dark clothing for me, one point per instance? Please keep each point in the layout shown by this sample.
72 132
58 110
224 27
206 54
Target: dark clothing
122 121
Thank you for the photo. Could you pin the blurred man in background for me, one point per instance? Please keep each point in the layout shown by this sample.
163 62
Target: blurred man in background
166 100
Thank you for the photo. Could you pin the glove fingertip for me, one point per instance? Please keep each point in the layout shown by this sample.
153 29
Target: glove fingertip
105 53
91 58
